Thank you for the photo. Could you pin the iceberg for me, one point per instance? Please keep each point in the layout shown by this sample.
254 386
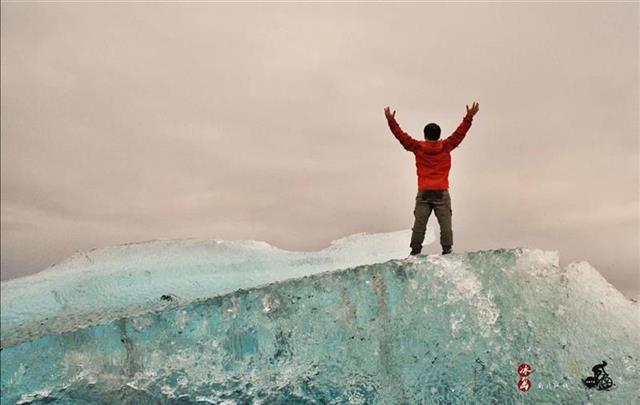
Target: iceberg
108 283
380 330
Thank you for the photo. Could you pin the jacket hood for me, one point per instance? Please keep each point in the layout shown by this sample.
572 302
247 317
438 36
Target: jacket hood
433 147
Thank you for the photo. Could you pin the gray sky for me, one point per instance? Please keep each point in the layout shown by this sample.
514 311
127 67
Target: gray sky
130 121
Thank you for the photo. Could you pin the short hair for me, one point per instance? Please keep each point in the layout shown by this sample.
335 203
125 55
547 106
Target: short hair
432 132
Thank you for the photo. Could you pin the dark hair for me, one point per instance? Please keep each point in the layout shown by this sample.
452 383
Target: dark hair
432 132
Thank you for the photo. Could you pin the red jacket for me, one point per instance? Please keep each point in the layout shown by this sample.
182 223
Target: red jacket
433 158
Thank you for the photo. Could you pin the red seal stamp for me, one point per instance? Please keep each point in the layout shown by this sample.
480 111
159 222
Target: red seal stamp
524 370
524 384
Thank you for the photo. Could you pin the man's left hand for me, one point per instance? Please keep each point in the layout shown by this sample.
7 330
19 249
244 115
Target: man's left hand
389 114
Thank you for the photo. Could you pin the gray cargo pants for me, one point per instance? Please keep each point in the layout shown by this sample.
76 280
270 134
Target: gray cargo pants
439 202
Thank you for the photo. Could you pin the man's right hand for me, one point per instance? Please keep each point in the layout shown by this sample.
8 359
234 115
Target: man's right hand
475 107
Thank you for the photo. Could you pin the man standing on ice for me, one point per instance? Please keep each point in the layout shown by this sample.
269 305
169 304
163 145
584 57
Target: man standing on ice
433 162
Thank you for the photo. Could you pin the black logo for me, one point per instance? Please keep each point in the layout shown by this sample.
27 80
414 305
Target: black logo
600 378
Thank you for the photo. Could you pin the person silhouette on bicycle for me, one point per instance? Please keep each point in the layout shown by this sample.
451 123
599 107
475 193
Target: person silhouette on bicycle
600 378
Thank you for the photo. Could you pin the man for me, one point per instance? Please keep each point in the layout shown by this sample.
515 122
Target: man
433 162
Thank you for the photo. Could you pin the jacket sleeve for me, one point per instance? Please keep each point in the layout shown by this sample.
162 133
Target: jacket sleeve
407 142
458 135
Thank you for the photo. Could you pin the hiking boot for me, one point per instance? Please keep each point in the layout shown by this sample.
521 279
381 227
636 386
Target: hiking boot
446 250
415 252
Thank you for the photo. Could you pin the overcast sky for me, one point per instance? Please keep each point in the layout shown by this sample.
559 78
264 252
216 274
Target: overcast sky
132 121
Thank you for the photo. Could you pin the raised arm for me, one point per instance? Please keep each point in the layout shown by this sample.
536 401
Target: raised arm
458 135
407 142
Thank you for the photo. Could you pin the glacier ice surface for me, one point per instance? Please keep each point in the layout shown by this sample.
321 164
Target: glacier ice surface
428 329
104 284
